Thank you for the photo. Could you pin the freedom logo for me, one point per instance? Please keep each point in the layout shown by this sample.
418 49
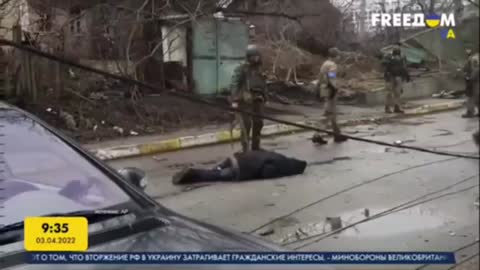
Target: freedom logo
445 21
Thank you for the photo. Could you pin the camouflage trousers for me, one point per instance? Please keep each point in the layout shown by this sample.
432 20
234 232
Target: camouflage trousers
394 91
331 114
473 98
251 127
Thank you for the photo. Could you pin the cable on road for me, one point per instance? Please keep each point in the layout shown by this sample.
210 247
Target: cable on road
323 236
218 105
464 261
401 207
348 189
456 250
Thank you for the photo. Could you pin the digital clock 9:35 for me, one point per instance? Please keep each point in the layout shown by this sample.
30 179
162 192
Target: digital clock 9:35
55 228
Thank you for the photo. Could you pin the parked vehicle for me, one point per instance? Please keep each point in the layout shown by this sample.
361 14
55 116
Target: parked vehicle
48 174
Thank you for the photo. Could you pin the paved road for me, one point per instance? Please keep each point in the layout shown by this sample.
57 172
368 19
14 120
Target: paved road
345 180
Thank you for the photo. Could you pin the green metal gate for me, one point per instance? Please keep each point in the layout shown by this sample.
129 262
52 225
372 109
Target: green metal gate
219 46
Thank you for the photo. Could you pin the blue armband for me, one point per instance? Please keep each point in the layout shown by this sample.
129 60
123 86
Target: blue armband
332 75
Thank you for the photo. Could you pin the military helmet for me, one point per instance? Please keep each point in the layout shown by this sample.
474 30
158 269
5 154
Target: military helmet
333 52
252 50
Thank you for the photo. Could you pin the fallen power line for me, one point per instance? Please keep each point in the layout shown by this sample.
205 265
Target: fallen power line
348 189
322 236
464 261
401 207
456 250
216 104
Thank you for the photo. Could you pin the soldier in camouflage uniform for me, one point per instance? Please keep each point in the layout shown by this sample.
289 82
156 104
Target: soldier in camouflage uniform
395 74
328 79
248 93
471 70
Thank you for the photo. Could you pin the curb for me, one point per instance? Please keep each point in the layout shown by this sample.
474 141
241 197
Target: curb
169 145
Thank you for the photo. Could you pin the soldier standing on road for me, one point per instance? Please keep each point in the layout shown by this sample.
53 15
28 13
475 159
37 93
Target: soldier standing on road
248 93
471 70
395 74
328 79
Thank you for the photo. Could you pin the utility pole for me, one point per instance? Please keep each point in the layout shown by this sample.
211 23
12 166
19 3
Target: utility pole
363 19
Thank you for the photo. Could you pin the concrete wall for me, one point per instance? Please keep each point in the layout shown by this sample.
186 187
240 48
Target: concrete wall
420 87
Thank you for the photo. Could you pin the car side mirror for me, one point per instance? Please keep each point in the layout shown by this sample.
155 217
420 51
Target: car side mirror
135 176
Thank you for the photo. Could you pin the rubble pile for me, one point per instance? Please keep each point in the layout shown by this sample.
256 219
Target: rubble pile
282 57
293 72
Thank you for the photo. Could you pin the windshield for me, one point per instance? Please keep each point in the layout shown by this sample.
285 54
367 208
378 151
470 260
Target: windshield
43 175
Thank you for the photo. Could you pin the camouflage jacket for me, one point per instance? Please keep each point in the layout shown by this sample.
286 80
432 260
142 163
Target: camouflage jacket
395 66
472 68
248 84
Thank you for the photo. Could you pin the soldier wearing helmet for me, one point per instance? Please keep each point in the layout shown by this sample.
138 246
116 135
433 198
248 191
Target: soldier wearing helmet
248 93
470 70
328 80
395 74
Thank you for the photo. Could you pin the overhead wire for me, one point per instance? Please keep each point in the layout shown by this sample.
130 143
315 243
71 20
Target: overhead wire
218 105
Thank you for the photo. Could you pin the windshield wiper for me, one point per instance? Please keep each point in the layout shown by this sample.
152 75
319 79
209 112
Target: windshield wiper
92 216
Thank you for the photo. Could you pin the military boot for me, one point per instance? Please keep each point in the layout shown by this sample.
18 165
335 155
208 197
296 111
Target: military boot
317 139
468 114
339 138
397 109
387 109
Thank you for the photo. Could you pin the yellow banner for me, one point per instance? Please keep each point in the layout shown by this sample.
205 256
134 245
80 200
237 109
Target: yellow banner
56 234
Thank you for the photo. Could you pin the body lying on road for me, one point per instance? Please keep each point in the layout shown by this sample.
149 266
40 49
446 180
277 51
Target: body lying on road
244 166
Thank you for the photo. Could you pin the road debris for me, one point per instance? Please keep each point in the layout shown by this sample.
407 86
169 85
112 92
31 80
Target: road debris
451 233
395 150
159 158
266 232
133 133
301 232
335 222
193 187
330 161
366 212
445 132
400 142
118 129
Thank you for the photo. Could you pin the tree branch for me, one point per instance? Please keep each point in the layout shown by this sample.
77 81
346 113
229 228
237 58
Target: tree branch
270 14
473 3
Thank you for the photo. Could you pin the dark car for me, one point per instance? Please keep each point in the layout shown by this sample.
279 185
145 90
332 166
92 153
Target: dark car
46 173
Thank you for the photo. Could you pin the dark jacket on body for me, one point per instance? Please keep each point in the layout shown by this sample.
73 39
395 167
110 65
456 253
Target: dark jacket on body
265 164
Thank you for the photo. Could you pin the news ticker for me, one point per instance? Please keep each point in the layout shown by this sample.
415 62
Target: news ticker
242 258
64 240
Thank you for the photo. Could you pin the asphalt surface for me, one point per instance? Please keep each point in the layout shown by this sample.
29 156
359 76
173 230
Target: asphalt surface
341 182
